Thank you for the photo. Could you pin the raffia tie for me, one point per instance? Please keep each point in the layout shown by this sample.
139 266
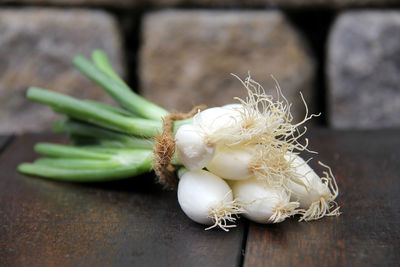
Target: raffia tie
165 149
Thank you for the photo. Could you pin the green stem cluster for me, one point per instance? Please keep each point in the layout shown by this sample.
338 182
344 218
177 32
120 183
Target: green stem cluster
75 164
105 77
109 142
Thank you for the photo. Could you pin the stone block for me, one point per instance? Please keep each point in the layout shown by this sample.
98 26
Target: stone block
187 57
331 4
36 49
363 70
298 4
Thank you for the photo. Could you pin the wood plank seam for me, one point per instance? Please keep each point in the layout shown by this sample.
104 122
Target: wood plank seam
244 241
6 142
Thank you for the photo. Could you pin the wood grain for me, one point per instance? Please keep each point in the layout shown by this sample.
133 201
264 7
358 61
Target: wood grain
134 222
126 223
367 168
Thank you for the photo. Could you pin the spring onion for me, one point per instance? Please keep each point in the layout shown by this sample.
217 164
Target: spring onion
253 144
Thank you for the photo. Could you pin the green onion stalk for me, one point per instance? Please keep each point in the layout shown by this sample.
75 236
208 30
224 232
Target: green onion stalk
107 142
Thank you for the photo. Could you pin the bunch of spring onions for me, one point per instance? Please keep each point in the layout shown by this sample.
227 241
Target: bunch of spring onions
236 159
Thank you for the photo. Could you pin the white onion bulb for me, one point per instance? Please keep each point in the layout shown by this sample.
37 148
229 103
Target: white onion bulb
232 163
207 199
264 204
217 118
196 142
315 195
193 150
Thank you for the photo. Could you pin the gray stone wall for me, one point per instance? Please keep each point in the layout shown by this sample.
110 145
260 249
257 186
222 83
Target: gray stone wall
187 57
36 49
179 53
364 70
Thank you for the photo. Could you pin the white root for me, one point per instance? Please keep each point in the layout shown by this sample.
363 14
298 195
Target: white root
326 206
225 212
283 210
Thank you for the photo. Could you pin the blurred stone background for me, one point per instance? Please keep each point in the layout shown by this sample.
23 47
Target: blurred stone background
343 55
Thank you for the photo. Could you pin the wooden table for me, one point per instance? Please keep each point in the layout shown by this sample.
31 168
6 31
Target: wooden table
135 223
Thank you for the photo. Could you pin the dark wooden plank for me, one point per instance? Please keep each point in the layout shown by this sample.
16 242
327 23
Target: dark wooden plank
367 168
126 223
